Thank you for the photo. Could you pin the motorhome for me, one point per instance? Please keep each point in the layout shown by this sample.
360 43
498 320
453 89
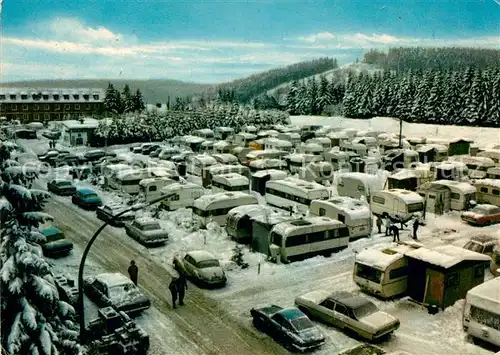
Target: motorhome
319 172
230 182
488 191
493 154
225 158
205 133
493 173
292 137
355 214
183 195
306 237
339 159
260 178
461 193
265 154
291 192
277 144
356 185
311 148
399 205
383 271
223 133
481 315
265 164
150 188
243 139
477 166
298 160
215 207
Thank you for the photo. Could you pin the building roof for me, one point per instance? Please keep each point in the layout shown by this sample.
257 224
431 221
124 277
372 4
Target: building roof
446 256
88 123
32 95
381 257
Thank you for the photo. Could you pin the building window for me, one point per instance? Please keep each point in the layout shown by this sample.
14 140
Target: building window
86 97
76 97
96 97
87 106
66 97
24 97
13 97
2 97
47 107
25 107
66 107
56 97
77 107
58 107
452 279
36 107
14 107
45 97
96 106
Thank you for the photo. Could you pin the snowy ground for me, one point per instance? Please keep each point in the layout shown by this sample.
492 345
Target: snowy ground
420 333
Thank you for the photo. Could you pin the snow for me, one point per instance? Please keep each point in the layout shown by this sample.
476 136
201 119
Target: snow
203 160
278 143
403 174
205 201
304 186
486 294
285 228
113 279
88 123
440 148
405 195
489 182
446 256
250 210
464 187
352 207
201 255
233 179
382 257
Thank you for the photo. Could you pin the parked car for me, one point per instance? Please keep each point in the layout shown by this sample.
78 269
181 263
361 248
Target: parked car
66 159
289 326
484 244
155 152
147 148
86 198
61 187
55 243
482 215
146 231
24 133
81 172
168 153
51 134
137 150
116 290
51 154
201 267
95 154
348 311
106 213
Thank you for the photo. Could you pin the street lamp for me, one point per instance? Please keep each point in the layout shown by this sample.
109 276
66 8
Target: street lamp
80 304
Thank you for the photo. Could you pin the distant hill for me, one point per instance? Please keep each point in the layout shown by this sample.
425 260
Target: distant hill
155 90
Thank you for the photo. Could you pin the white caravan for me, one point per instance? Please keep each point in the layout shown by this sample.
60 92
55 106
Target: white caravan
205 133
493 154
356 185
230 182
110 171
493 173
461 193
400 205
325 142
299 160
357 148
488 191
222 147
265 154
292 137
128 180
383 271
306 237
183 195
223 133
151 188
260 178
481 317
355 214
477 166
243 139
199 162
311 148
339 159
291 192
215 207
265 164
226 159
278 144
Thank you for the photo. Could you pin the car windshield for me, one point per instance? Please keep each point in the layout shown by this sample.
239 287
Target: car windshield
91 195
208 263
480 210
150 227
64 183
302 323
365 310
121 293
53 237
473 246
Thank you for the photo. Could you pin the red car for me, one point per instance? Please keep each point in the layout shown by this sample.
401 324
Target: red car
482 215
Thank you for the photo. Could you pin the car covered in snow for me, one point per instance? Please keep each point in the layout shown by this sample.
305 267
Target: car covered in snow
116 290
107 214
482 215
146 231
51 154
348 311
94 154
63 187
51 134
201 267
289 326
86 198
484 244
66 159
55 243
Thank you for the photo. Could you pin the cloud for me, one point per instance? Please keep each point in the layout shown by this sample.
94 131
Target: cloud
74 30
318 37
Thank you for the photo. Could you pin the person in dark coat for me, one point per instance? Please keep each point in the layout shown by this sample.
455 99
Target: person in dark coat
394 230
133 271
174 290
181 288
416 223
379 224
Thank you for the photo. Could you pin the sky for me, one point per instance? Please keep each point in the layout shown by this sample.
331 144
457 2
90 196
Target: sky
215 41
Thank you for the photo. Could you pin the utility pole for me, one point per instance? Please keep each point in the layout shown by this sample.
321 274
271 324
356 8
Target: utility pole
400 133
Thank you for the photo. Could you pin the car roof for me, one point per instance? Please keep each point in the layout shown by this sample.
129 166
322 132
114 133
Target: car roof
348 299
291 313
201 255
86 191
62 180
113 279
51 231
146 220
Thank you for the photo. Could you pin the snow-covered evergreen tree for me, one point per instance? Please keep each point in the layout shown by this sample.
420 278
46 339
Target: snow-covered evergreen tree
433 105
493 114
420 99
473 112
452 98
312 93
350 96
34 320
112 101
127 99
324 94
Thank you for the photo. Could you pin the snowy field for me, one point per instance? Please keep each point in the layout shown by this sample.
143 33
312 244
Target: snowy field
264 282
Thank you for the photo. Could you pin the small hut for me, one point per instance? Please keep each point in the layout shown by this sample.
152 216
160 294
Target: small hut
460 146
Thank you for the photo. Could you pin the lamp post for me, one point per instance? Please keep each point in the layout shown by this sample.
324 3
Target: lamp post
80 304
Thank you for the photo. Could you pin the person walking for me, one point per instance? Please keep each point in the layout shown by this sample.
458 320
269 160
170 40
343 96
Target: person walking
394 230
416 224
388 225
181 288
173 290
379 224
133 272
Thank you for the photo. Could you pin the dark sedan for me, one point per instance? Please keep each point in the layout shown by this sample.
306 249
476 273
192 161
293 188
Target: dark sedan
289 326
61 187
86 198
117 290
55 243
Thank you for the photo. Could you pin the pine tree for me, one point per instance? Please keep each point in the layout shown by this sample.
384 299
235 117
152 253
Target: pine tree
493 115
237 257
420 100
433 110
452 99
112 100
34 320
127 99
473 112
291 98
138 102
349 101
303 105
324 96
312 93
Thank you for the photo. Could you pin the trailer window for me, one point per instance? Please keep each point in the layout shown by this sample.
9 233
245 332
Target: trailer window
369 273
276 239
152 188
415 207
399 272
341 218
322 212
484 317
455 196
295 240
378 199
484 190
495 192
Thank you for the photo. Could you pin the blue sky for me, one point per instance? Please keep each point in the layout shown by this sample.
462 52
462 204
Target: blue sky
214 41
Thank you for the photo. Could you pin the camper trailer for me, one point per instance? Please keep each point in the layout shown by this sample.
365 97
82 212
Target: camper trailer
493 154
241 154
292 137
488 191
383 271
356 185
265 164
319 172
357 148
260 178
151 188
197 163
298 160
222 133
110 171
337 138
204 133
128 180
208 173
249 129
306 237
243 139
277 144
399 158
311 148
432 153
399 205
239 224
225 158
230 182
265 154
325 142
338 159
369 142
193 143
355 214
481 317
183 195
215 207
449 170
477 166
222 147
461 193
493 173
291 192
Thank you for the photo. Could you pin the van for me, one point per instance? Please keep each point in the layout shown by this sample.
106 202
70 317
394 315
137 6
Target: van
183 195
398 204
481 315
383 271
